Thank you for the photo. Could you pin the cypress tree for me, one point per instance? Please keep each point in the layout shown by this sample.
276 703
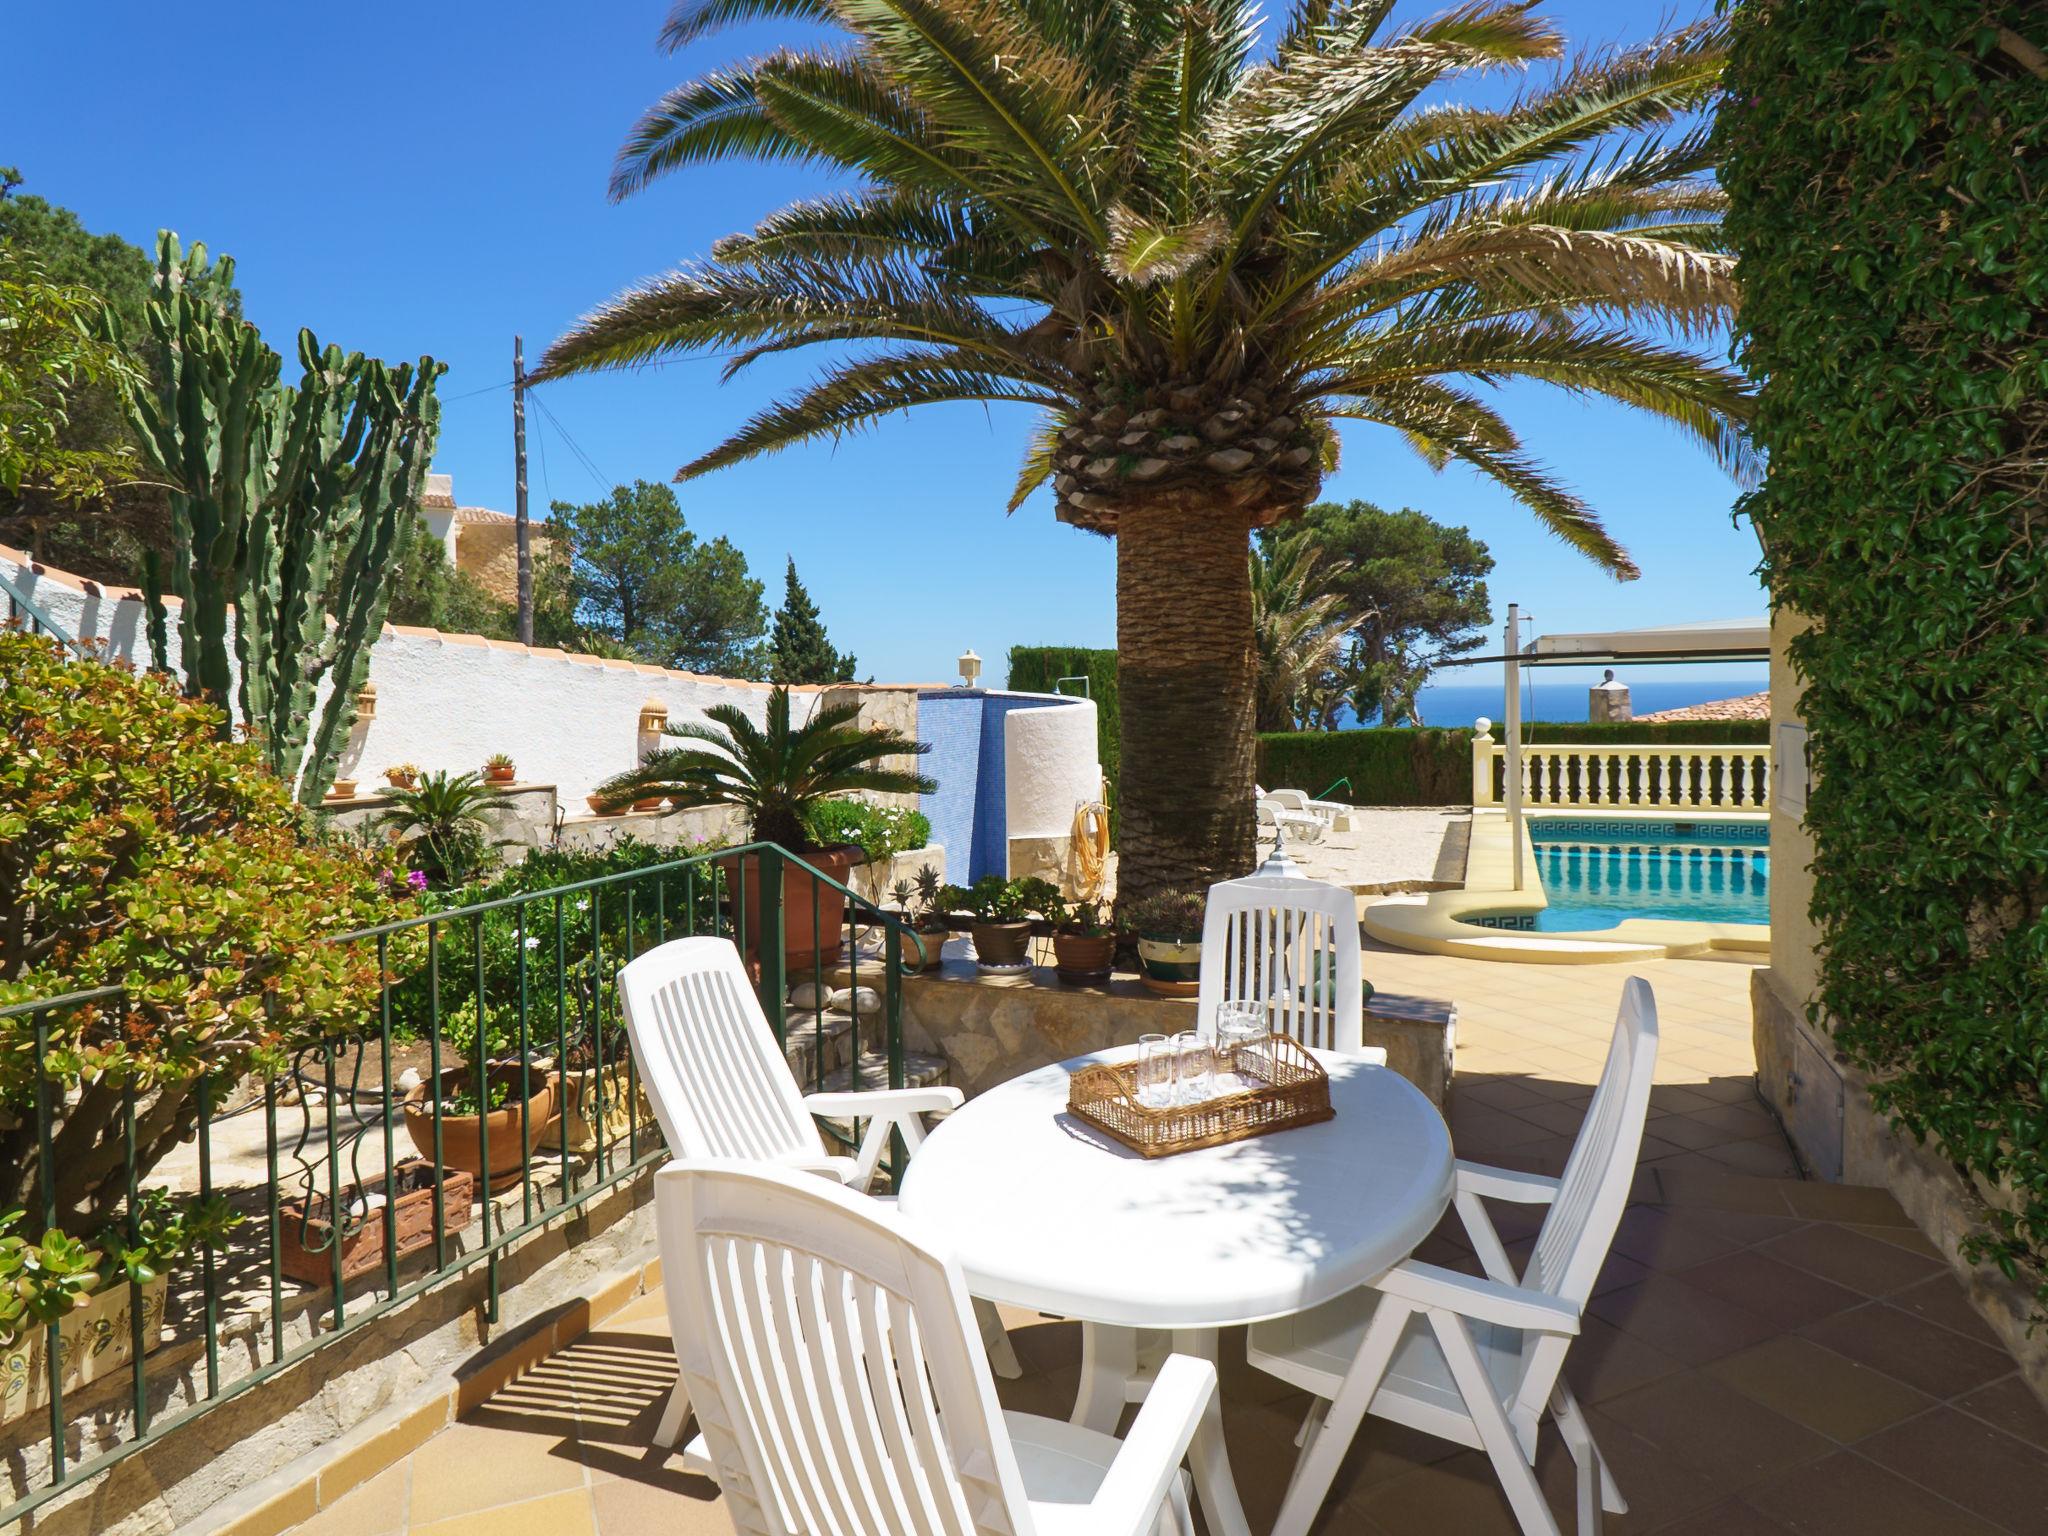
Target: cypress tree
803 652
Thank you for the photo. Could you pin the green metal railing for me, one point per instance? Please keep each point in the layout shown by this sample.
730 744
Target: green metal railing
555 998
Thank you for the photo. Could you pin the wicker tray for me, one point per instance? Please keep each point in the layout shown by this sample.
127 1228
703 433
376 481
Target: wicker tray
1292 1089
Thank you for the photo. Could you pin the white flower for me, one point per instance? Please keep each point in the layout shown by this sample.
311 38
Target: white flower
583 904
532 941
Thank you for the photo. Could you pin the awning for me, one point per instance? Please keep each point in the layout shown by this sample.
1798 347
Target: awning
1664 644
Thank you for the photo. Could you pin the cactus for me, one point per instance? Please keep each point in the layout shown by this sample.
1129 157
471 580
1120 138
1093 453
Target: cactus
289 505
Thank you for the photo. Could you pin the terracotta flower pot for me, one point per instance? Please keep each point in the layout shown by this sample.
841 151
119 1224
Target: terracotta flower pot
342 789
934 949
810 937
653 803
402 780
597 807
1083 958
499 775
306 1236
1171 966
585 1110
1004 945
462 1136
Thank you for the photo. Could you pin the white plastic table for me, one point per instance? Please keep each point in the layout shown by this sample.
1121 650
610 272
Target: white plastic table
1043 1211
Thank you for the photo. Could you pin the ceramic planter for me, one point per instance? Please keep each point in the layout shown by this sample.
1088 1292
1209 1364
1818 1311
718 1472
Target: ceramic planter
94 1340
1002 946
1170 966
402 780
582 1115
498 775
306 1234
462 1136
1083 958
811 936
342 789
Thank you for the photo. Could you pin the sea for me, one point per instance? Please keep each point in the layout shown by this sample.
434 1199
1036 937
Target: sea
1458 704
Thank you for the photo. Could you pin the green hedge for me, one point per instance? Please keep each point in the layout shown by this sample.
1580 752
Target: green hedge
1399 765
1035 668
1887 162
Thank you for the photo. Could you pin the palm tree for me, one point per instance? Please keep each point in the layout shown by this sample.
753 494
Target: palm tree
1195 253
775 774
1298 626
443 827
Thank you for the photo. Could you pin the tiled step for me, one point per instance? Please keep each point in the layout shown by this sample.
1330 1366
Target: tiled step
919 1071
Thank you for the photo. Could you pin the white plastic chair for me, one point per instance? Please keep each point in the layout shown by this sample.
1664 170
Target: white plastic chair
1299 825
1292 944
1478 1361
1333 814
721 1087
831 1352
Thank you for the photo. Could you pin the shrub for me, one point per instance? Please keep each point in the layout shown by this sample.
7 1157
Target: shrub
1884 159
568 987
883 831
1171 914
138 848
1390 766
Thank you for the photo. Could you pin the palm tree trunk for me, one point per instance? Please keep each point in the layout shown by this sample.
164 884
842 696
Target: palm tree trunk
1185 681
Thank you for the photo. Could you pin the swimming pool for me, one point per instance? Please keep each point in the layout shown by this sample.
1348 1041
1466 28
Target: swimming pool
1598 873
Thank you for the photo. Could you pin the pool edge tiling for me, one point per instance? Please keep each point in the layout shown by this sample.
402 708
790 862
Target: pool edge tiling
1433 923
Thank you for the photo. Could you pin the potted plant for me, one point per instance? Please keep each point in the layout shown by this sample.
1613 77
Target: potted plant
1169 929
599 806
498 768
1001 910
648 803
306 1237
777 773
90 1293
601 1097
1083 943
342 789
922 905
441 825
402 775
507 1100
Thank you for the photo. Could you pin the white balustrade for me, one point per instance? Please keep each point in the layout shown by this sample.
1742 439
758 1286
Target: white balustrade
1732 777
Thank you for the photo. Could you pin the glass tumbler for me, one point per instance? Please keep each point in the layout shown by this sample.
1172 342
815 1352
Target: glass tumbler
1238 1024
1155 1071
1194 1061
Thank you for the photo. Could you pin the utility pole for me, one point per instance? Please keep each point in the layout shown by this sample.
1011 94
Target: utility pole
520 529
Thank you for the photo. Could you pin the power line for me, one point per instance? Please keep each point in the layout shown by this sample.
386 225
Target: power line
603 481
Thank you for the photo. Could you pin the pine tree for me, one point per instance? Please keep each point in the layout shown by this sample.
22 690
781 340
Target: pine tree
802 652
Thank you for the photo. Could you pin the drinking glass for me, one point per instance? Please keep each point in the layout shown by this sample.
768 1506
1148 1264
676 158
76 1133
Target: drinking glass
1155 1071
1194 1068
1238 1024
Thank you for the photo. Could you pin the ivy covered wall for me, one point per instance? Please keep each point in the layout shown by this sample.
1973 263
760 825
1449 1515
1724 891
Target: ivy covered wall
1888 166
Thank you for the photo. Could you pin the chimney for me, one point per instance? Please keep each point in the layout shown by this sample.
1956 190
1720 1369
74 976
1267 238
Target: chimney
1607 701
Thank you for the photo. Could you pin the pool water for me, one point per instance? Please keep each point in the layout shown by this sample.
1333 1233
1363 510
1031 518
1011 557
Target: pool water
1599 873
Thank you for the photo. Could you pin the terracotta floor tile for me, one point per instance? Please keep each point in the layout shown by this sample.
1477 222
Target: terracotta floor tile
1604 1362
1761 1157
1965 1460
1849 1258
626 1508
1942 1300
2010 1405
1667 1239
376 1508
1562 1119
1848 1202
1459 1494
1778 1293
560 1514
1505 1093
1820 1389
1719 1190
1659 1489
479 1465
1921 1354
1684 1131
1845 1495
1912 1239
1733 1518
1713 1429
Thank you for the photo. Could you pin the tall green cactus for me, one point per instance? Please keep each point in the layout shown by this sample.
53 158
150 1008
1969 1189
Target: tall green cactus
290 504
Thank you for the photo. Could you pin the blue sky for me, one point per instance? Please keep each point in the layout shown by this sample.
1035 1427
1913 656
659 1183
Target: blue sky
430 177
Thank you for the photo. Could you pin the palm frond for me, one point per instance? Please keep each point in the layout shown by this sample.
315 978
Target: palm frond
854 396
1038 459
707 119
689 20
